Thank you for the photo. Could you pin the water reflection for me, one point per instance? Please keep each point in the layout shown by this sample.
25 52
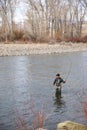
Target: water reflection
22 76
58 101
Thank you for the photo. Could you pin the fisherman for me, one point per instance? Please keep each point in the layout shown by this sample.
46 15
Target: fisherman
58 81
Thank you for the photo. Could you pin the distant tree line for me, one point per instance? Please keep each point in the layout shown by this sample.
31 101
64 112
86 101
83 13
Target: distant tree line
46 19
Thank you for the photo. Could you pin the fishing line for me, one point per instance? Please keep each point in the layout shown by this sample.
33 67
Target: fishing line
69 71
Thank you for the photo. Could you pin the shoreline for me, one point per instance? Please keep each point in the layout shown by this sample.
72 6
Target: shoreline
40 48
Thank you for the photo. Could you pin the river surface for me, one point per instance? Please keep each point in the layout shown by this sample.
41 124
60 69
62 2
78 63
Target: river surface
26 89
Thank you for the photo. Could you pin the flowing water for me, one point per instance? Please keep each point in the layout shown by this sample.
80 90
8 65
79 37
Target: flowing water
26 88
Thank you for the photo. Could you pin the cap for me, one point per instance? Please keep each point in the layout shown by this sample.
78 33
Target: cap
58 74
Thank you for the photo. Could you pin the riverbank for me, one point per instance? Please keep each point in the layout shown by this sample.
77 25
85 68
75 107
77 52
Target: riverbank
27 49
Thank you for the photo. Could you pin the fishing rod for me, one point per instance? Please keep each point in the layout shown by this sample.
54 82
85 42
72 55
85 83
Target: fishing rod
68 74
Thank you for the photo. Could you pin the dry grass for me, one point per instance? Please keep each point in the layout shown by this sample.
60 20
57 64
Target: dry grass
37 121
85 107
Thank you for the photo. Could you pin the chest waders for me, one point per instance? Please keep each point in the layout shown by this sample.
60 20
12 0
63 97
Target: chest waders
58 90
58 82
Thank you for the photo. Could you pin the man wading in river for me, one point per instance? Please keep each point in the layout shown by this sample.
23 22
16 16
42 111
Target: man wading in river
58 81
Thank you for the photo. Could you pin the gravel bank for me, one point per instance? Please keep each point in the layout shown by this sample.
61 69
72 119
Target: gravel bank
27 49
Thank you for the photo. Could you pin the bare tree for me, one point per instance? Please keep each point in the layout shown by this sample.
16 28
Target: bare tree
84 3
7 9
56 18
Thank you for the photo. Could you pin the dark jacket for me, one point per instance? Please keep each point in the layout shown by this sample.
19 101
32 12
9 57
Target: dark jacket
58 81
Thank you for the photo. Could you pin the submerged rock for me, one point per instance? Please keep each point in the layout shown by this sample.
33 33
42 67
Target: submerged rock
40 129
68 125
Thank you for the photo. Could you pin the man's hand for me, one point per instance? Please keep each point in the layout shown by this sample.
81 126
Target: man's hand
65 81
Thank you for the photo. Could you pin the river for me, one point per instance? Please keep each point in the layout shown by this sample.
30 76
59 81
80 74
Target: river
26 88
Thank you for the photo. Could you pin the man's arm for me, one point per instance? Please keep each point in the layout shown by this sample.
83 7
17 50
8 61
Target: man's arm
62 81
54 81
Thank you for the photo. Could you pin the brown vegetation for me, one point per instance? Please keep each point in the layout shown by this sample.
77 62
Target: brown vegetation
85 107
20 36
37 121
77 40
46 20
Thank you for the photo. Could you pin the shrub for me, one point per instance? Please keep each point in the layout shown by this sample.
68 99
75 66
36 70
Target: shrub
18 35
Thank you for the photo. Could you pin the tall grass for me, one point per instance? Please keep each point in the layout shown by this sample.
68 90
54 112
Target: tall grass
37 121
85 107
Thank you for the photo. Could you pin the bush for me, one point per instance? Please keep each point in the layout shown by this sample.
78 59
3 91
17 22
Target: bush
84 39
18 35
77 39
